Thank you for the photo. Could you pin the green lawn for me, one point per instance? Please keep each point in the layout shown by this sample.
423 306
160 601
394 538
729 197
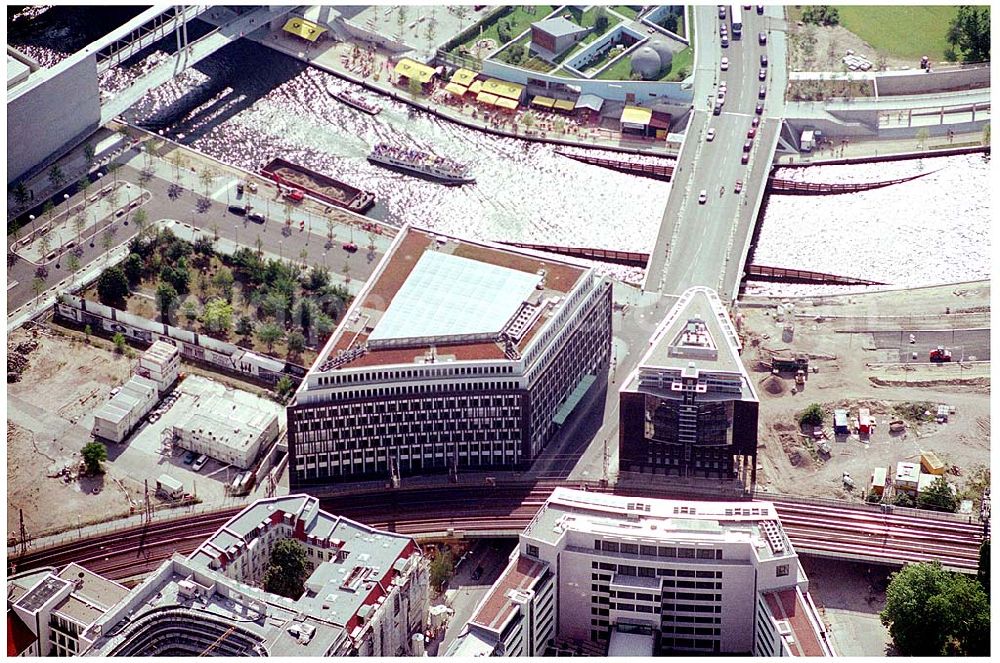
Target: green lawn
520 19
901 31
622 70
625 10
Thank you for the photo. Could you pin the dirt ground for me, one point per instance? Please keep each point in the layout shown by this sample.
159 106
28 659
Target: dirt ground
832 44
849 377
48 422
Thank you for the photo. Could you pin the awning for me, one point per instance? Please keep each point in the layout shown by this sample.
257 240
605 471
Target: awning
456 89
543 102
463 77
509 104
503 88
573 399
591 101
660 121
486 98
564 105
300 27
476 87
413 69
636 115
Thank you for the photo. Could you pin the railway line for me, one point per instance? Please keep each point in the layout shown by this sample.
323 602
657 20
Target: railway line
825 530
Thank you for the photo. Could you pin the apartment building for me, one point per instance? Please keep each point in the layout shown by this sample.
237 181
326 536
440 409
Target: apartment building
48 611
366 593
456 355
651 577
689 409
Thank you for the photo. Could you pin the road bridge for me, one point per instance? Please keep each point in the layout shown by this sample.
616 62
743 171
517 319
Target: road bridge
706 243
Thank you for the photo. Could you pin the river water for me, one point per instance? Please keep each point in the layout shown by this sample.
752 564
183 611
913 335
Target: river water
248 104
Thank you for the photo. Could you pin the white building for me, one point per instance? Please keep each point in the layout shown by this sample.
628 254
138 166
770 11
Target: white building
116 418
161 363
227 430
650 575
47 611
367 594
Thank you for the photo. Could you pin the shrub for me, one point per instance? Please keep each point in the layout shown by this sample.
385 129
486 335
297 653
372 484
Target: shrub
811 416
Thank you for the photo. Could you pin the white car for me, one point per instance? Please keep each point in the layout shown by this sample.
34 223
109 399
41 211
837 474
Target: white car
723 87
199 462
702 197
724 65
710 136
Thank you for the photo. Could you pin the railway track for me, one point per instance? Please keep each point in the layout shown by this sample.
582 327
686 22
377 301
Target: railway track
816 529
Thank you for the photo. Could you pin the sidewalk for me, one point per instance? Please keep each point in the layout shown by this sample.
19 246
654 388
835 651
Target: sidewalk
866 149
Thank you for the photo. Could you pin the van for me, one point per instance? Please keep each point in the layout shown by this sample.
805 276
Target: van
199 463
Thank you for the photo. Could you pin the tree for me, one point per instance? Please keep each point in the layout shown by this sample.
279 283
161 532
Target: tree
133 268
94 453
224 280
218 315
969 33
140 219
45 243
930 611
324 325
113 169
317 279
244 326
286 573
670 22
811 416
178 277
56 176
190 311
821 15
207 176
72 263
274 304
938 496
983 575
112 286
601 19
284 386
442 569
88 154
296 342
119 340
166 297
38 286
21 195
305 315
269 334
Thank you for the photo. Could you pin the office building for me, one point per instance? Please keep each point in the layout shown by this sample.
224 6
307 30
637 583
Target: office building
690 409
226 428
366 593
455 356
649 577
116 418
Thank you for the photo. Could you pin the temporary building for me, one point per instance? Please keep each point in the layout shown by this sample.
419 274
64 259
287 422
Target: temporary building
878 480
412 69
840 425
463 77
931 463
590 102
456 89
543 102
865 422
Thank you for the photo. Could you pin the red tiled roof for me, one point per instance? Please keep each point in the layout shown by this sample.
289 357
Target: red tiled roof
19 636
788 605
497 608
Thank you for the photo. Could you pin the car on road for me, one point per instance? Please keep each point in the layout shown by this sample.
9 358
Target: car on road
738 187
239 188
762 74
199 462
722 12
723 30
702 197
724 64
763 60
762 92
745 159
751 132
725 41
718 109
723 87
294 195
256 217
755 121
759 109
238 210
710 136
350 247
477 574
760 10
762 38
721 97
189 457
747 146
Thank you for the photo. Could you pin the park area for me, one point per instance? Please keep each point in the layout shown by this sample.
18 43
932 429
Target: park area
273 307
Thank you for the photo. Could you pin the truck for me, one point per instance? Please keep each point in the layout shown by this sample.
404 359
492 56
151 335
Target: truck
940 354
736 17
789 364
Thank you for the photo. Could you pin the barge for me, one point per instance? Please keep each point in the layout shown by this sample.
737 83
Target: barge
319 186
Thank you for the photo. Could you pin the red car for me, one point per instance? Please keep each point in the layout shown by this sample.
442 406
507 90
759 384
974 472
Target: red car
746 158
752 132
755 120
295 195
350 247
738 187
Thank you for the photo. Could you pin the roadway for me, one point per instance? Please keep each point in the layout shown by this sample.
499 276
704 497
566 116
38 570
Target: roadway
705 244
963 343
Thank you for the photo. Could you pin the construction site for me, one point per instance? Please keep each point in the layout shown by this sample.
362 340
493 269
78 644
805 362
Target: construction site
903 384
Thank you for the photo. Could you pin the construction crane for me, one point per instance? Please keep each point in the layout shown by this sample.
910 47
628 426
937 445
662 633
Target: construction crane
218 641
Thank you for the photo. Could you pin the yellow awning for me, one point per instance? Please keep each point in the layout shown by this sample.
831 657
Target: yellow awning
543 102
506 103
562 104
487 98
463 77
413 69
503 88
476 87
456 89
300 27
636 115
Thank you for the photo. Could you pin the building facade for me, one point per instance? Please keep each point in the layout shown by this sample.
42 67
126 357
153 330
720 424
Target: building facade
455 356
665 576
689 409
226 430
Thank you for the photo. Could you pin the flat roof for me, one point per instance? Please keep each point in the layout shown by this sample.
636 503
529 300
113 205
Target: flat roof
788 606
497 607
448 295
359 341
558 26
92 587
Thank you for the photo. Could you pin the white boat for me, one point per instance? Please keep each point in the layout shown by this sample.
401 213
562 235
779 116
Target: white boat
421 163
354 101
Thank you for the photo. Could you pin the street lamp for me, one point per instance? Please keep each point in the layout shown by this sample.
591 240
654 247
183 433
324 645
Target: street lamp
31 219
